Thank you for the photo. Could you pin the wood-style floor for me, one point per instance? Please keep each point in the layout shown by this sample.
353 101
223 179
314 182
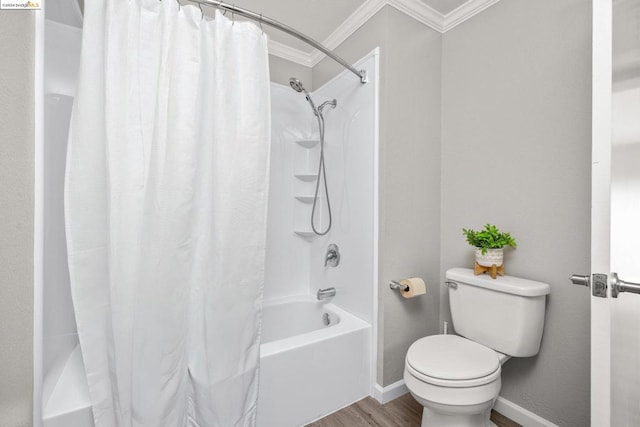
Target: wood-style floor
402 412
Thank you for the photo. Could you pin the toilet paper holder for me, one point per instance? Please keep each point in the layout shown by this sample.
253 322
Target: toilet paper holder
397 286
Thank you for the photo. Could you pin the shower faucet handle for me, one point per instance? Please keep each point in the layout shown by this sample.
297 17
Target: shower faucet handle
332 257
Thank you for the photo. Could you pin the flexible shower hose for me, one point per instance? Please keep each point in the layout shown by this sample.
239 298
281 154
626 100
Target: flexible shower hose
322 173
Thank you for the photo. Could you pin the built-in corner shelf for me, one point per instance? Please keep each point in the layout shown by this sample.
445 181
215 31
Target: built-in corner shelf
305 199
307 143
305 234
307 177
304 184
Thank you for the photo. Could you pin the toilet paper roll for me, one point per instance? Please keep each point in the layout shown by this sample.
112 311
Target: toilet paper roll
414 286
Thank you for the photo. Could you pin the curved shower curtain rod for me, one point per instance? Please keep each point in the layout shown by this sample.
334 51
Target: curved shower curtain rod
362 74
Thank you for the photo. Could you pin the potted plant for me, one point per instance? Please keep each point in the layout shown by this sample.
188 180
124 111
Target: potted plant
489 243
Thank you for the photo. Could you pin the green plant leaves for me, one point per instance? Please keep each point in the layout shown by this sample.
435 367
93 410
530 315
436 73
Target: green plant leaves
488 238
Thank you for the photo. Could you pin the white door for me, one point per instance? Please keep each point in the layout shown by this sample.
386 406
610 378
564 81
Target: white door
615 321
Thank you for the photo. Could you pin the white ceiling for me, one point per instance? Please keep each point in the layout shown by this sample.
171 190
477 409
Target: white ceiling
444 6
318 18
315 18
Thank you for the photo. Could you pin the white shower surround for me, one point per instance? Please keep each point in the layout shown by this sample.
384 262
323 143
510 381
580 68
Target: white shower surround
337 369
296 265
64 399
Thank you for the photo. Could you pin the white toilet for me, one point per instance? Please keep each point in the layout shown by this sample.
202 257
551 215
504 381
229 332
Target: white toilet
457 378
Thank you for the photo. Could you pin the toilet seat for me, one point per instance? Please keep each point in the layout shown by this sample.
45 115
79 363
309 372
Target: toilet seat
452 361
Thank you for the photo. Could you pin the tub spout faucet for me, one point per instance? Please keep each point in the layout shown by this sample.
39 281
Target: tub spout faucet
326 293
332 257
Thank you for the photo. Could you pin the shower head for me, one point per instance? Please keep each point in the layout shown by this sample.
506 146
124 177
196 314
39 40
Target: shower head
296 84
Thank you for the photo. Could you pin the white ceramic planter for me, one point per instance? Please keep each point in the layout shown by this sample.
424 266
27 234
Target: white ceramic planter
491 257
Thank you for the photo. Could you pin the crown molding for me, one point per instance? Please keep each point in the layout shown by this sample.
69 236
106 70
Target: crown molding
415 9
289 53
350 25
419 11
465 11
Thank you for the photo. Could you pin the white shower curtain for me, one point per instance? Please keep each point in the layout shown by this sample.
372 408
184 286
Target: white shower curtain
166 187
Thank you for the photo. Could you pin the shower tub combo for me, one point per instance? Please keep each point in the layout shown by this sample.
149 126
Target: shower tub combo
316 356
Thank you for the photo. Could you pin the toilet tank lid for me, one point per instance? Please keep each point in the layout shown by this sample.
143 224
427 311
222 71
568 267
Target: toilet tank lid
506 284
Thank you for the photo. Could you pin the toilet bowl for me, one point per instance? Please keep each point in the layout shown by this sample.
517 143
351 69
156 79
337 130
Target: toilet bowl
457 378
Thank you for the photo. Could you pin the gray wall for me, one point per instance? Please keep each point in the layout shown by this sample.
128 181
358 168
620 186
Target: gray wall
281 71
514 86
409 196
517 117
16 216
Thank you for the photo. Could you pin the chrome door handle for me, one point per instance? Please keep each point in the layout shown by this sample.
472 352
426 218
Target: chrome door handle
618 286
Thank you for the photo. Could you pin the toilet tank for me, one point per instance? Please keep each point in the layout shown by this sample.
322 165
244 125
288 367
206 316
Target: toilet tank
505 314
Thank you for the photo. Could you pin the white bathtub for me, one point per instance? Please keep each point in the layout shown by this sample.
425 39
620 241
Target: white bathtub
307 369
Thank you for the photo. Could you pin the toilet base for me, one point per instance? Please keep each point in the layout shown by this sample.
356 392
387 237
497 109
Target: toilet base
431 418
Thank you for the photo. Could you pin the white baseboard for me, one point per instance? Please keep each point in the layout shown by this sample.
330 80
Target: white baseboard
390 392
505 407
519 414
